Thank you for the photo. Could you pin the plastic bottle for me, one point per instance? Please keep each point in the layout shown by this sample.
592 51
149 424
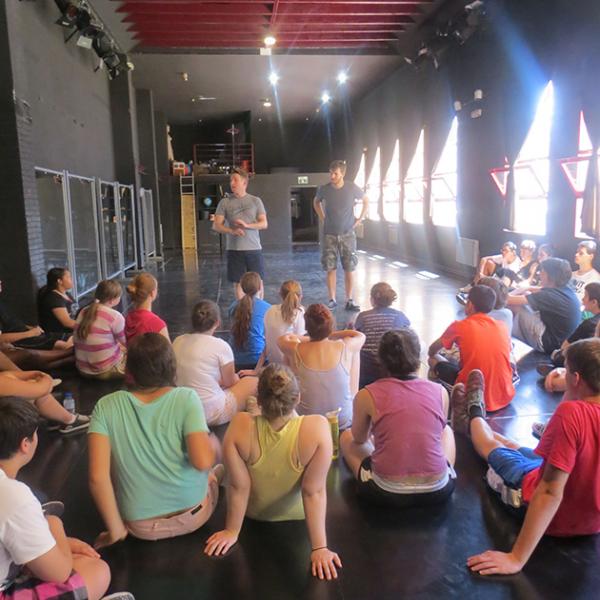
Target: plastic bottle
69 402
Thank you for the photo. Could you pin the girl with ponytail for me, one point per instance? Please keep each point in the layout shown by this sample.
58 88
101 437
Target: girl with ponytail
247 325
400 448
55 305
277 465
143 291
205 363
287 317
99 336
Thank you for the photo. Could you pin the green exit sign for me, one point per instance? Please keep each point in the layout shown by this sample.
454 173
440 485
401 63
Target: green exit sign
302 179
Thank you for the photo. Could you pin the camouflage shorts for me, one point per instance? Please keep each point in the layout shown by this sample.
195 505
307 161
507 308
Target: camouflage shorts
343 246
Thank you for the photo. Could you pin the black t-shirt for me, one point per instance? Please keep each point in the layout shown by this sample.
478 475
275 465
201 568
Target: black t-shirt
585 330
49 301
9 323
560 311
339 206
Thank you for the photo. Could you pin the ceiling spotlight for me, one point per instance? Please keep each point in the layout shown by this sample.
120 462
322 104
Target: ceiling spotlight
273 78
270 40
266 103
184 76
325 97
342 77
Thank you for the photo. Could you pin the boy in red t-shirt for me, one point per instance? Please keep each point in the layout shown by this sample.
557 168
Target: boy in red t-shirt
484 344
559 481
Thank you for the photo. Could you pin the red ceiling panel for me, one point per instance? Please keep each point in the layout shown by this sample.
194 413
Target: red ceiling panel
359 24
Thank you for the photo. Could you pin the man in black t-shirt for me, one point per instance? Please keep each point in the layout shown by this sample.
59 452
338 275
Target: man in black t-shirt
544 319
334 204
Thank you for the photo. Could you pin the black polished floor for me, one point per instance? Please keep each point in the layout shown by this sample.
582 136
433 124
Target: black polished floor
416 553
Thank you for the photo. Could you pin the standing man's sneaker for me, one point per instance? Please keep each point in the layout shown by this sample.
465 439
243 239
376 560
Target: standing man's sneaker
81 423
462 298
352 306
331 304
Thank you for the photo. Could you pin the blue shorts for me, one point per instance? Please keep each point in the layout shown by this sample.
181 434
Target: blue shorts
242 261
513 465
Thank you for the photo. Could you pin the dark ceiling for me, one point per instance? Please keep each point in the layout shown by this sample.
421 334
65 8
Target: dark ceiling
372 26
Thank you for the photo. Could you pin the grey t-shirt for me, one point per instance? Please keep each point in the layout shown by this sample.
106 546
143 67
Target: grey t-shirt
248 208
339 206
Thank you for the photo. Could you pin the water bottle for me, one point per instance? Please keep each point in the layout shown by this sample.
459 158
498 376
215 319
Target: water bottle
69 402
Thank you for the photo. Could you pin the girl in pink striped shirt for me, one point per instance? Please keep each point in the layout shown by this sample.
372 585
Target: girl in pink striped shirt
99 336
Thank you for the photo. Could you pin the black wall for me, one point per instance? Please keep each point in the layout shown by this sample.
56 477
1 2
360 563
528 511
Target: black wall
70 104
522 46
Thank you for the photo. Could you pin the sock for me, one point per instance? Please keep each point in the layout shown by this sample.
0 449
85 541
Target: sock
475 410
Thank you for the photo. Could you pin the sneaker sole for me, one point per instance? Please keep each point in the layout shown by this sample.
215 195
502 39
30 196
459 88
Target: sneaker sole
76 429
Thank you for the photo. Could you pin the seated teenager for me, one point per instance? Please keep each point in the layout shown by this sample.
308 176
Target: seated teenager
584 258
55 305
37 559
205 363
277 465
248 322
99 336
36 386
287 317
500 312
545 318
484 344
558 482
523 277
374 323
554 371
143 291
327 364
400 448
152 441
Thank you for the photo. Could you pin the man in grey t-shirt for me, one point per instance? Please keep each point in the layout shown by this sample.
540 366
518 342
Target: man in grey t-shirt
334 204
241 216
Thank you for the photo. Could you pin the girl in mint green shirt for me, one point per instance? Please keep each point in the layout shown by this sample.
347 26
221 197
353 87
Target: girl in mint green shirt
153 442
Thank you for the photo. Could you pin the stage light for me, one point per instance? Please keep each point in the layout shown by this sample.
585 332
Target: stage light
342 77
457 105
69 13
325 97
270 40
273 78
266 103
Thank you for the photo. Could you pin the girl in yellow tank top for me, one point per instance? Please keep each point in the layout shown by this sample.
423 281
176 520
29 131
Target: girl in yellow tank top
277 465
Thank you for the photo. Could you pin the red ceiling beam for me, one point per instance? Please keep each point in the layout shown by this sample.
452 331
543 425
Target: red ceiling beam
299 44
257 34
134 4
182 21
281 28
232 41
241 9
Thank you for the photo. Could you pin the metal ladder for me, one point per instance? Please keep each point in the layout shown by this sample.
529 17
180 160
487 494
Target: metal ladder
187 192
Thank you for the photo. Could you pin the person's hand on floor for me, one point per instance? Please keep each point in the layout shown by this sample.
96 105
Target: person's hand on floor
106 538
494 563
324 562
218 543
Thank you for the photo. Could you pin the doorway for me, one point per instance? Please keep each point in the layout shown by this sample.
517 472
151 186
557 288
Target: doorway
305 223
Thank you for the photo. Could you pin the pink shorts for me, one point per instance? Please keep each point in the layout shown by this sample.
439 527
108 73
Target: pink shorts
29 588
166 527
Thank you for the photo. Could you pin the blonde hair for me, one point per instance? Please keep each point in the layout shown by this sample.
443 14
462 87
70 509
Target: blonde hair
278 391
250 283
291 294
141 288
106 291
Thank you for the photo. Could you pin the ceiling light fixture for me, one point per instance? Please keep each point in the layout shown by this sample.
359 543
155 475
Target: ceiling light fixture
273 78
266 103
325 97
342 77
184 76
270 40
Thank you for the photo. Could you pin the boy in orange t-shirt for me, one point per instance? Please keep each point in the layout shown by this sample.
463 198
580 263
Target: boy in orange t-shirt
484 344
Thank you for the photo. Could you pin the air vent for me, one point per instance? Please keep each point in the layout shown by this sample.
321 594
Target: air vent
467 252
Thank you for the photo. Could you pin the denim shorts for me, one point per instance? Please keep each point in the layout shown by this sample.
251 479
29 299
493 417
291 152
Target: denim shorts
343 246
512 465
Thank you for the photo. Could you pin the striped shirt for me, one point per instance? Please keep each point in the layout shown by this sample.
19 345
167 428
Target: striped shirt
101 350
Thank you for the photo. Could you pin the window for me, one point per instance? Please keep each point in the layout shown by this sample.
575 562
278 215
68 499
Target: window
444 181
359 180
576 170
391 188
373 189
532 170
414 185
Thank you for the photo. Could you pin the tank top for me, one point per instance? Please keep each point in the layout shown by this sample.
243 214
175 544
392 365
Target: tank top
325 391
408 431
275 493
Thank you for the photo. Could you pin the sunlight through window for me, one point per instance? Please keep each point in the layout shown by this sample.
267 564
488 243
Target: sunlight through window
373 189
391 188
444 181
414 185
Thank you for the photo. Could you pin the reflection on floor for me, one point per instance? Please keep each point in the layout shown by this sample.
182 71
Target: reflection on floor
412 554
